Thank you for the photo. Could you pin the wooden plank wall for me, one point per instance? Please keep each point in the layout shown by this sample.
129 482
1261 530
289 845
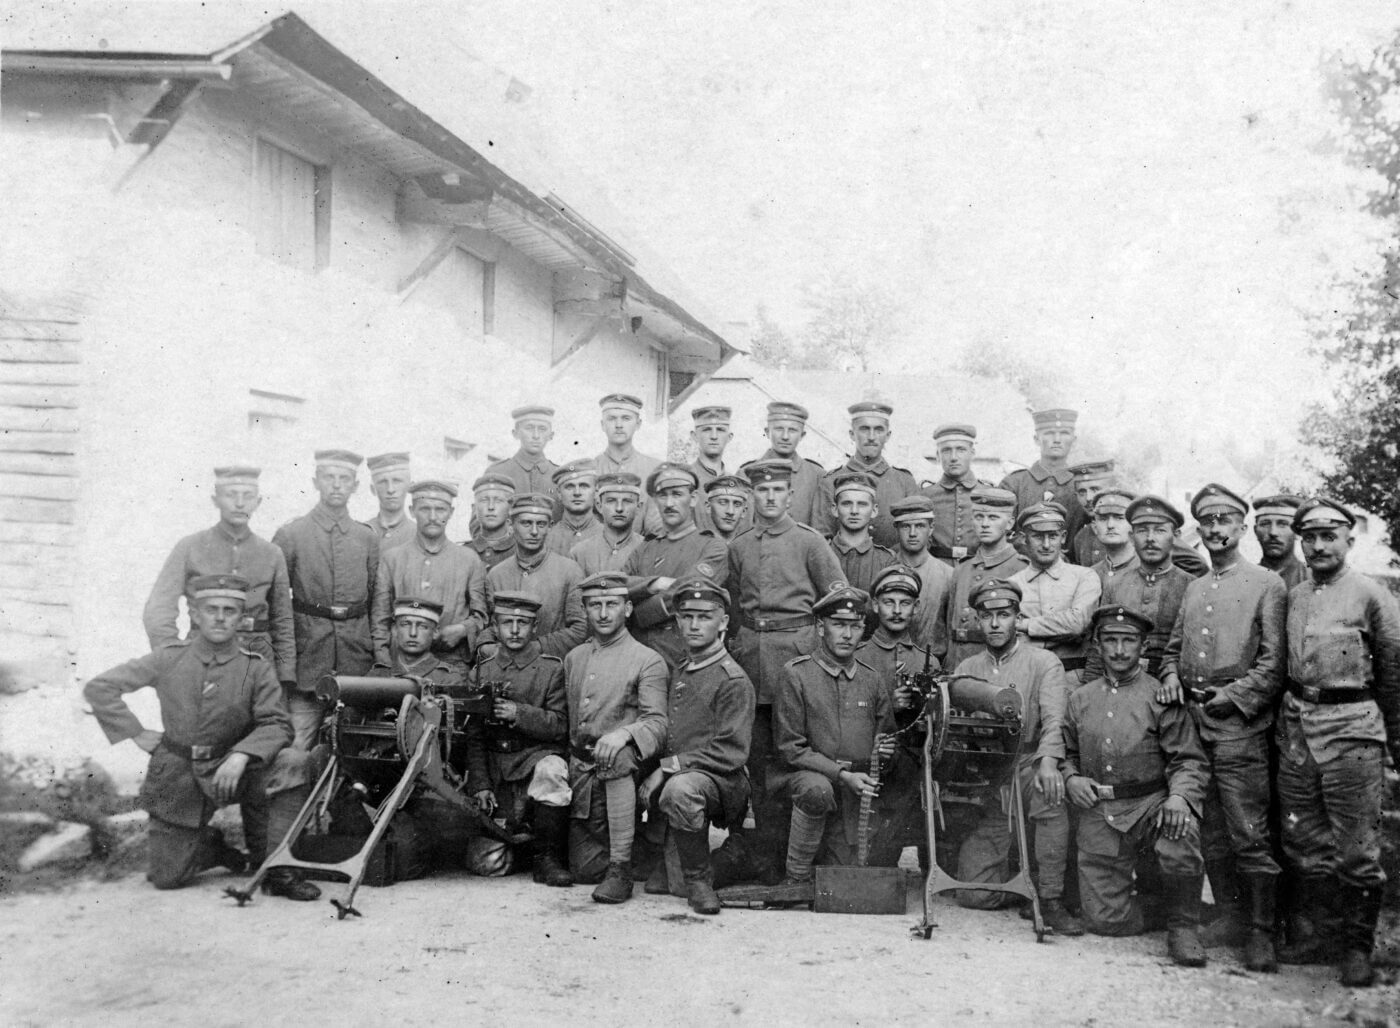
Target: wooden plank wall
40 375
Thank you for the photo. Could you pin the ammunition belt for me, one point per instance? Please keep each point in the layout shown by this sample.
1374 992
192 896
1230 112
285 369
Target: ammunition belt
343 612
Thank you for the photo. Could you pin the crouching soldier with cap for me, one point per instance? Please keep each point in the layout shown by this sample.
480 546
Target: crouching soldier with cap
1135 769
226 740
515 758
1341 708
701 779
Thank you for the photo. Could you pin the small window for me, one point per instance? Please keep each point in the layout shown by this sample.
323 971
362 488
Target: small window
273 413
292 208
662 399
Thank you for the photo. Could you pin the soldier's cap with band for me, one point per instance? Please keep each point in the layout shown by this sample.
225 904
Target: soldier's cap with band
621 401
518 603
433 487
1092 470
1054 417
1116 616
1112 501
1322 512
896 579
912 508
203 587
999 501
532 503
955 432
872 409
994 594
417 607
584 467
494 480
714 415
1282 505
781 410
668 476
618 482
853 481
1154 510
386 463
728 485
1042 517
533 412
236 474
1214 498
347 459
604 583
775 469
844 602
698 589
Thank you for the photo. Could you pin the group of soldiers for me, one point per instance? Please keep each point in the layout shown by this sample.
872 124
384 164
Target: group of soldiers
707 647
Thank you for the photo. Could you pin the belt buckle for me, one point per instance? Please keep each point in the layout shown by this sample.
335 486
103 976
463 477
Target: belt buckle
1311 693
201 752
246 624
339 612
959 552
762 623
1105 792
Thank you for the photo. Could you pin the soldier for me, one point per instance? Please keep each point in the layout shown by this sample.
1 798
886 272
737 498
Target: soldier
953 537
331 563
414 622
726 505
515 757
389 476
550 578
617 499
574 485
1273 527
492 540
711 436
914 520
1050 478
870 431
617 720
1135 769
1342 708
787 425
893 645
856 507
225 741
622 416
1038 677
1057 598
655 566
993 511
529 470
1226 651
429 567
1155 588
1090 479
230 548
1111 533
701 777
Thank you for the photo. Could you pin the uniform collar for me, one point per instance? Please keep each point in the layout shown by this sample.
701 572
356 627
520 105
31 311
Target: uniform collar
1055 571
967 481
323 516
534 564
210 654
885 641
999 661
424 665
1289 562
861 548
504 541
716 654
540 464
599 645
1062 476
575 524
878 468
1152 576
997 557
716 470
422 544
231 535
378 522
680 533
832 668
1121 683
776 528
523 659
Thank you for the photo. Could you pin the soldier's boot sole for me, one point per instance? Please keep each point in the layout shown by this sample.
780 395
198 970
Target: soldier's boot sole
1184 947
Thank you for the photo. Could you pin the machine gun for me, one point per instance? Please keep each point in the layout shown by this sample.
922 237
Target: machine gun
389 736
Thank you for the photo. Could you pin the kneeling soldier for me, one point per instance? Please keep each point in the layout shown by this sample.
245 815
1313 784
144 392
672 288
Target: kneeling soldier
515 756
1136 769
227 740
710 718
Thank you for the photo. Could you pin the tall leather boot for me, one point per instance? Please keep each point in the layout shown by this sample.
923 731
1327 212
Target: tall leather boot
1227 928
551 825
1184 919
1361 910
1312 934
1259 952
694 850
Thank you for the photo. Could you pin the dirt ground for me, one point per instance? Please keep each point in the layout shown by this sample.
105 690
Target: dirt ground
457 949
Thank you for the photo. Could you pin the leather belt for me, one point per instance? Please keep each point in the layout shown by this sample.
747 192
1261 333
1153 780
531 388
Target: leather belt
951 552
785 624
1073 663
345 612
1328 696
254 625
193 752
1131 790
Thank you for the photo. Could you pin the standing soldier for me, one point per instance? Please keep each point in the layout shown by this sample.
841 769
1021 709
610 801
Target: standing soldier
231 548
225 741
655 566
870 431
1273 527
529 470
1049 478
913 519
389 476
429 567
787 425
1342 709
548 577
992 513
492 540
856 506
1090 479
1112 534
954 537
1226 652
1058 599
622 416
727 507
617 498
331 563
711 435
617 719
574 486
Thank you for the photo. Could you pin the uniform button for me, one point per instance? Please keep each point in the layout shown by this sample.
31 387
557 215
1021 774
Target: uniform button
1110 713
1108 767
1215 585
1109 816
1209 608
1205 631
1201 654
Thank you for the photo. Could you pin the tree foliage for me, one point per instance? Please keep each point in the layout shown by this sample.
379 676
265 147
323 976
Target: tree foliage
847 320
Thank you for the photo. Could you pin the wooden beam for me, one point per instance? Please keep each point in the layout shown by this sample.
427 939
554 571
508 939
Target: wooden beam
151 130
580 341
428 264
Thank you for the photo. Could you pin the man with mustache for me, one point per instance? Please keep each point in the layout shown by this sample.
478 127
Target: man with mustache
870 431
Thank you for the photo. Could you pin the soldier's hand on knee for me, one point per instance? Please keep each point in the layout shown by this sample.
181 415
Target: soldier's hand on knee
1081 792
485 801
608 747
1049 783
1174 817
228 775
1170 691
